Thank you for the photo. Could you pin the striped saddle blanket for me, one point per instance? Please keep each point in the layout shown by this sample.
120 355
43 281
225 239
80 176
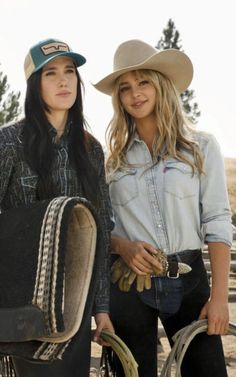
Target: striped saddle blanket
48 259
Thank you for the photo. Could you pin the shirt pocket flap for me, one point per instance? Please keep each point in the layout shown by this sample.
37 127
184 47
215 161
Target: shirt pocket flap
123 173
181 166
123 186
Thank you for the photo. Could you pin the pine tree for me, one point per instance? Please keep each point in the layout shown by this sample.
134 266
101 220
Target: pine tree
9 102
171 39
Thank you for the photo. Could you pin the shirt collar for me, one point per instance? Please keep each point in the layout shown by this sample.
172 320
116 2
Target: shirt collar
53 132
134 139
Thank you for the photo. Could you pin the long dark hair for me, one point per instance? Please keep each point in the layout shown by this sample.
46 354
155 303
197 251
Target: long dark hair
37 142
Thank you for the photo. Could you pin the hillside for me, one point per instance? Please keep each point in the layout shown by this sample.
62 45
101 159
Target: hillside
230 167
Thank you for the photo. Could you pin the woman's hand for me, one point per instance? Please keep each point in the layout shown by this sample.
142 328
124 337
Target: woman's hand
216 310
103 322
217 314
136 254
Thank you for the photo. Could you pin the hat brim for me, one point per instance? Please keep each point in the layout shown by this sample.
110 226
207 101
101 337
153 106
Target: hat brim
173 63
77 58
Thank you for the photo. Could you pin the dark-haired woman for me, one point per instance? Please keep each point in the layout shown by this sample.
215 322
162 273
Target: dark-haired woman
48 154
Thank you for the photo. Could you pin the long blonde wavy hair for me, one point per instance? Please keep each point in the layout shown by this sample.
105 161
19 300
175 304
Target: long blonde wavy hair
174 133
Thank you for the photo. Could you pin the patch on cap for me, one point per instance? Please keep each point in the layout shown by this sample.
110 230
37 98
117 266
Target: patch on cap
53 47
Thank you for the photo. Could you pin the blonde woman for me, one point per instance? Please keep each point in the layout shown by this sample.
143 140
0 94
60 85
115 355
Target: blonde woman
168 192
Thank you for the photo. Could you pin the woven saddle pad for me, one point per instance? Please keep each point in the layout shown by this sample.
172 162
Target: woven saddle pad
47 255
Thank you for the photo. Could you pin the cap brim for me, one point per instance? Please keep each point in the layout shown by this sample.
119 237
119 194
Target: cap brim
77 58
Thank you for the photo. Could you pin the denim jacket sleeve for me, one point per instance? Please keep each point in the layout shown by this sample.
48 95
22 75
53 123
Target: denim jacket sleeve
214 202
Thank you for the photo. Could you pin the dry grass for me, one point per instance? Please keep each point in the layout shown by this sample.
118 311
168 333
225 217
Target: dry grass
230 167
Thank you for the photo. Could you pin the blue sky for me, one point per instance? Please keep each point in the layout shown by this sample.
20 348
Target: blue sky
95 28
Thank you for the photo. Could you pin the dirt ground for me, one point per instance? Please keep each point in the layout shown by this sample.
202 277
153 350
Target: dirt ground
229 342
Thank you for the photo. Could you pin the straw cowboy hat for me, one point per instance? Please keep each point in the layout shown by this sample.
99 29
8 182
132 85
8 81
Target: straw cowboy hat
136 54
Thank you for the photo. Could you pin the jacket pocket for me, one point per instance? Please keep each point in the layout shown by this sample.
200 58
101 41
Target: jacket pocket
28 185
123 187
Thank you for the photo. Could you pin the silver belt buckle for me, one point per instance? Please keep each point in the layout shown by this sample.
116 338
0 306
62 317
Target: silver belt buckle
172 277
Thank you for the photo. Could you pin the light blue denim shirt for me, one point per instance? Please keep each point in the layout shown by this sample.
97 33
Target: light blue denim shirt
166 205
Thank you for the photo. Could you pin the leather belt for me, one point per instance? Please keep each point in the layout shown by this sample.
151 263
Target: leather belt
186 256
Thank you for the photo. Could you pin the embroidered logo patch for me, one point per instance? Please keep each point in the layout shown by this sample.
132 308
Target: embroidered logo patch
51 48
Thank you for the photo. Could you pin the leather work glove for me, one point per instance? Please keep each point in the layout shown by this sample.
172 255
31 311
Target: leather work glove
125 276
142 281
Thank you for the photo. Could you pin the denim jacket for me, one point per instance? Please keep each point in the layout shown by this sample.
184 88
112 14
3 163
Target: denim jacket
165 204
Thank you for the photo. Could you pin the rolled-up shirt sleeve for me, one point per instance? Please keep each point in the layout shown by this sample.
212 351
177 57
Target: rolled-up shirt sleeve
214 201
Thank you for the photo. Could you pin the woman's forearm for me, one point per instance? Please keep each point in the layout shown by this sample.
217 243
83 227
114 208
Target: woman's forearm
220 263
118 245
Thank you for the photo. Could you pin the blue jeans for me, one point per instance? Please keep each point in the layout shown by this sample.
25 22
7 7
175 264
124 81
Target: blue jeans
165 295
177 302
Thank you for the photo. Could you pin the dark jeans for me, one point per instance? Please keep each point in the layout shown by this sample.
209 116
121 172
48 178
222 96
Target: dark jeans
75 362
136 323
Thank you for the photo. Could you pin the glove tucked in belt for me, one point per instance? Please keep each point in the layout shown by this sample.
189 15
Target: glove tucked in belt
125 276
